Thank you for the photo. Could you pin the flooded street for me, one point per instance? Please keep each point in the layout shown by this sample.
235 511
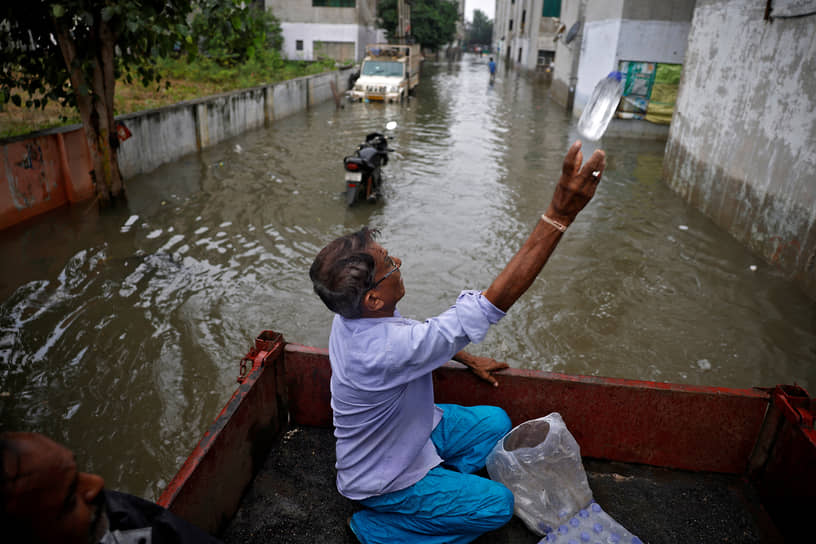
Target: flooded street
121 334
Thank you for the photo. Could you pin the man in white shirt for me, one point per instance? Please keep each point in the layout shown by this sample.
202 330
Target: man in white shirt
409 461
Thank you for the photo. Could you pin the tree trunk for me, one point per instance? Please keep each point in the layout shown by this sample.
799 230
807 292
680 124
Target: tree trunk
95 104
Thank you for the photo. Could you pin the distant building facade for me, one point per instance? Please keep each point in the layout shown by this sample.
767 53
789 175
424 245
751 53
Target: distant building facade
524 32
579 42
646 40
337 29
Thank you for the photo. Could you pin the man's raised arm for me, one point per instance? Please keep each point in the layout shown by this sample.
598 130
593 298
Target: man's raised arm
574 190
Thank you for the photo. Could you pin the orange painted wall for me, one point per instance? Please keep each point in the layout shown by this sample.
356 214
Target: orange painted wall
41 173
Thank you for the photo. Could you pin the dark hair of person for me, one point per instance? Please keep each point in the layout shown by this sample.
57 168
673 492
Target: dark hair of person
9 456
343 272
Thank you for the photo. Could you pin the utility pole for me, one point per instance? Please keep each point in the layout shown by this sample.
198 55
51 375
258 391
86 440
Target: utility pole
403 21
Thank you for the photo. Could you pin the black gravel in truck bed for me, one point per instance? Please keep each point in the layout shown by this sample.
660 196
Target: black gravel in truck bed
294 500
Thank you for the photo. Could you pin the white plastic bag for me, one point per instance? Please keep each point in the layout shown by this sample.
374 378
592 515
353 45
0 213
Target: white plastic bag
540 462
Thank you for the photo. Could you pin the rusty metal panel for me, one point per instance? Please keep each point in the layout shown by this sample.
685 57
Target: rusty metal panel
669 425
786 479
308 373
207 489
661 424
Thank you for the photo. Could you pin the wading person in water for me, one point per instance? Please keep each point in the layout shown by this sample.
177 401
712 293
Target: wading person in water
408 461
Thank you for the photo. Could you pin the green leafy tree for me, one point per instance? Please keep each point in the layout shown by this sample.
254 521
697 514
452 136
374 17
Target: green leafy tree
234 32
480 30
433 22
73 51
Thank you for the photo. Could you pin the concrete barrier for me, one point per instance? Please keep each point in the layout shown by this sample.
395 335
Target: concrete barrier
289 97
44 170
157 137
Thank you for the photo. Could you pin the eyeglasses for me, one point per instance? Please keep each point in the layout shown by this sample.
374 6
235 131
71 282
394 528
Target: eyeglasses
390 262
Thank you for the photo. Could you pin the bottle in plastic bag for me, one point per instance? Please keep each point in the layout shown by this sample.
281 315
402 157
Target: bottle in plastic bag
601 107
540 462
591 525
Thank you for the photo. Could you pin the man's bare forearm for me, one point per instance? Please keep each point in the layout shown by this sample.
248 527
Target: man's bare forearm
574 190
523 268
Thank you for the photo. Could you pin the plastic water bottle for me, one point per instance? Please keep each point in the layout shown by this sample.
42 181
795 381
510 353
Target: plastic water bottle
601 107
591 525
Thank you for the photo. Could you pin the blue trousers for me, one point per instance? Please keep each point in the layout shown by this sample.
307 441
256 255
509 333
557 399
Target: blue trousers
450 504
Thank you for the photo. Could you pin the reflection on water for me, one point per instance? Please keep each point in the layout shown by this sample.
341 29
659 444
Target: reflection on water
120 333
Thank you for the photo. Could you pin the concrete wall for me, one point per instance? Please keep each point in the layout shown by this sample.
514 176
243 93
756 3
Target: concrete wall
158 136
599 56
602 10
653 41
679 11
565 71
289 97
742 146
165 134
42 171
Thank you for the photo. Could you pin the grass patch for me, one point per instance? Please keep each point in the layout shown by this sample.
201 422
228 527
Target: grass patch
188 80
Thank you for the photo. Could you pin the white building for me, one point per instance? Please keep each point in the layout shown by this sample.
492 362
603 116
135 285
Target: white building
584 40
607 35
524 32
338 29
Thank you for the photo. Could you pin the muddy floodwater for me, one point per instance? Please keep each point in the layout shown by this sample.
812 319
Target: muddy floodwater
121 333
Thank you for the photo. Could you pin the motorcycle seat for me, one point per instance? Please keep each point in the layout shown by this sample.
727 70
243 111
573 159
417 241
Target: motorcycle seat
368 154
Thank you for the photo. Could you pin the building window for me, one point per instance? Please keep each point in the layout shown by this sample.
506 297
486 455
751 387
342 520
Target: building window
334 3
519 56
510 28
523 20
551 8
299 45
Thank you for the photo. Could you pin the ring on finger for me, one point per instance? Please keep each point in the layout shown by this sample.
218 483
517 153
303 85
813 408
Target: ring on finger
596 173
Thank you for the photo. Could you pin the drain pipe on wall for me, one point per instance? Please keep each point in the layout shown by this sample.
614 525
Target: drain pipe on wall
576 56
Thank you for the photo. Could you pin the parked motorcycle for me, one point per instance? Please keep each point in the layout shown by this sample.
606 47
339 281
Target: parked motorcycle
364 168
